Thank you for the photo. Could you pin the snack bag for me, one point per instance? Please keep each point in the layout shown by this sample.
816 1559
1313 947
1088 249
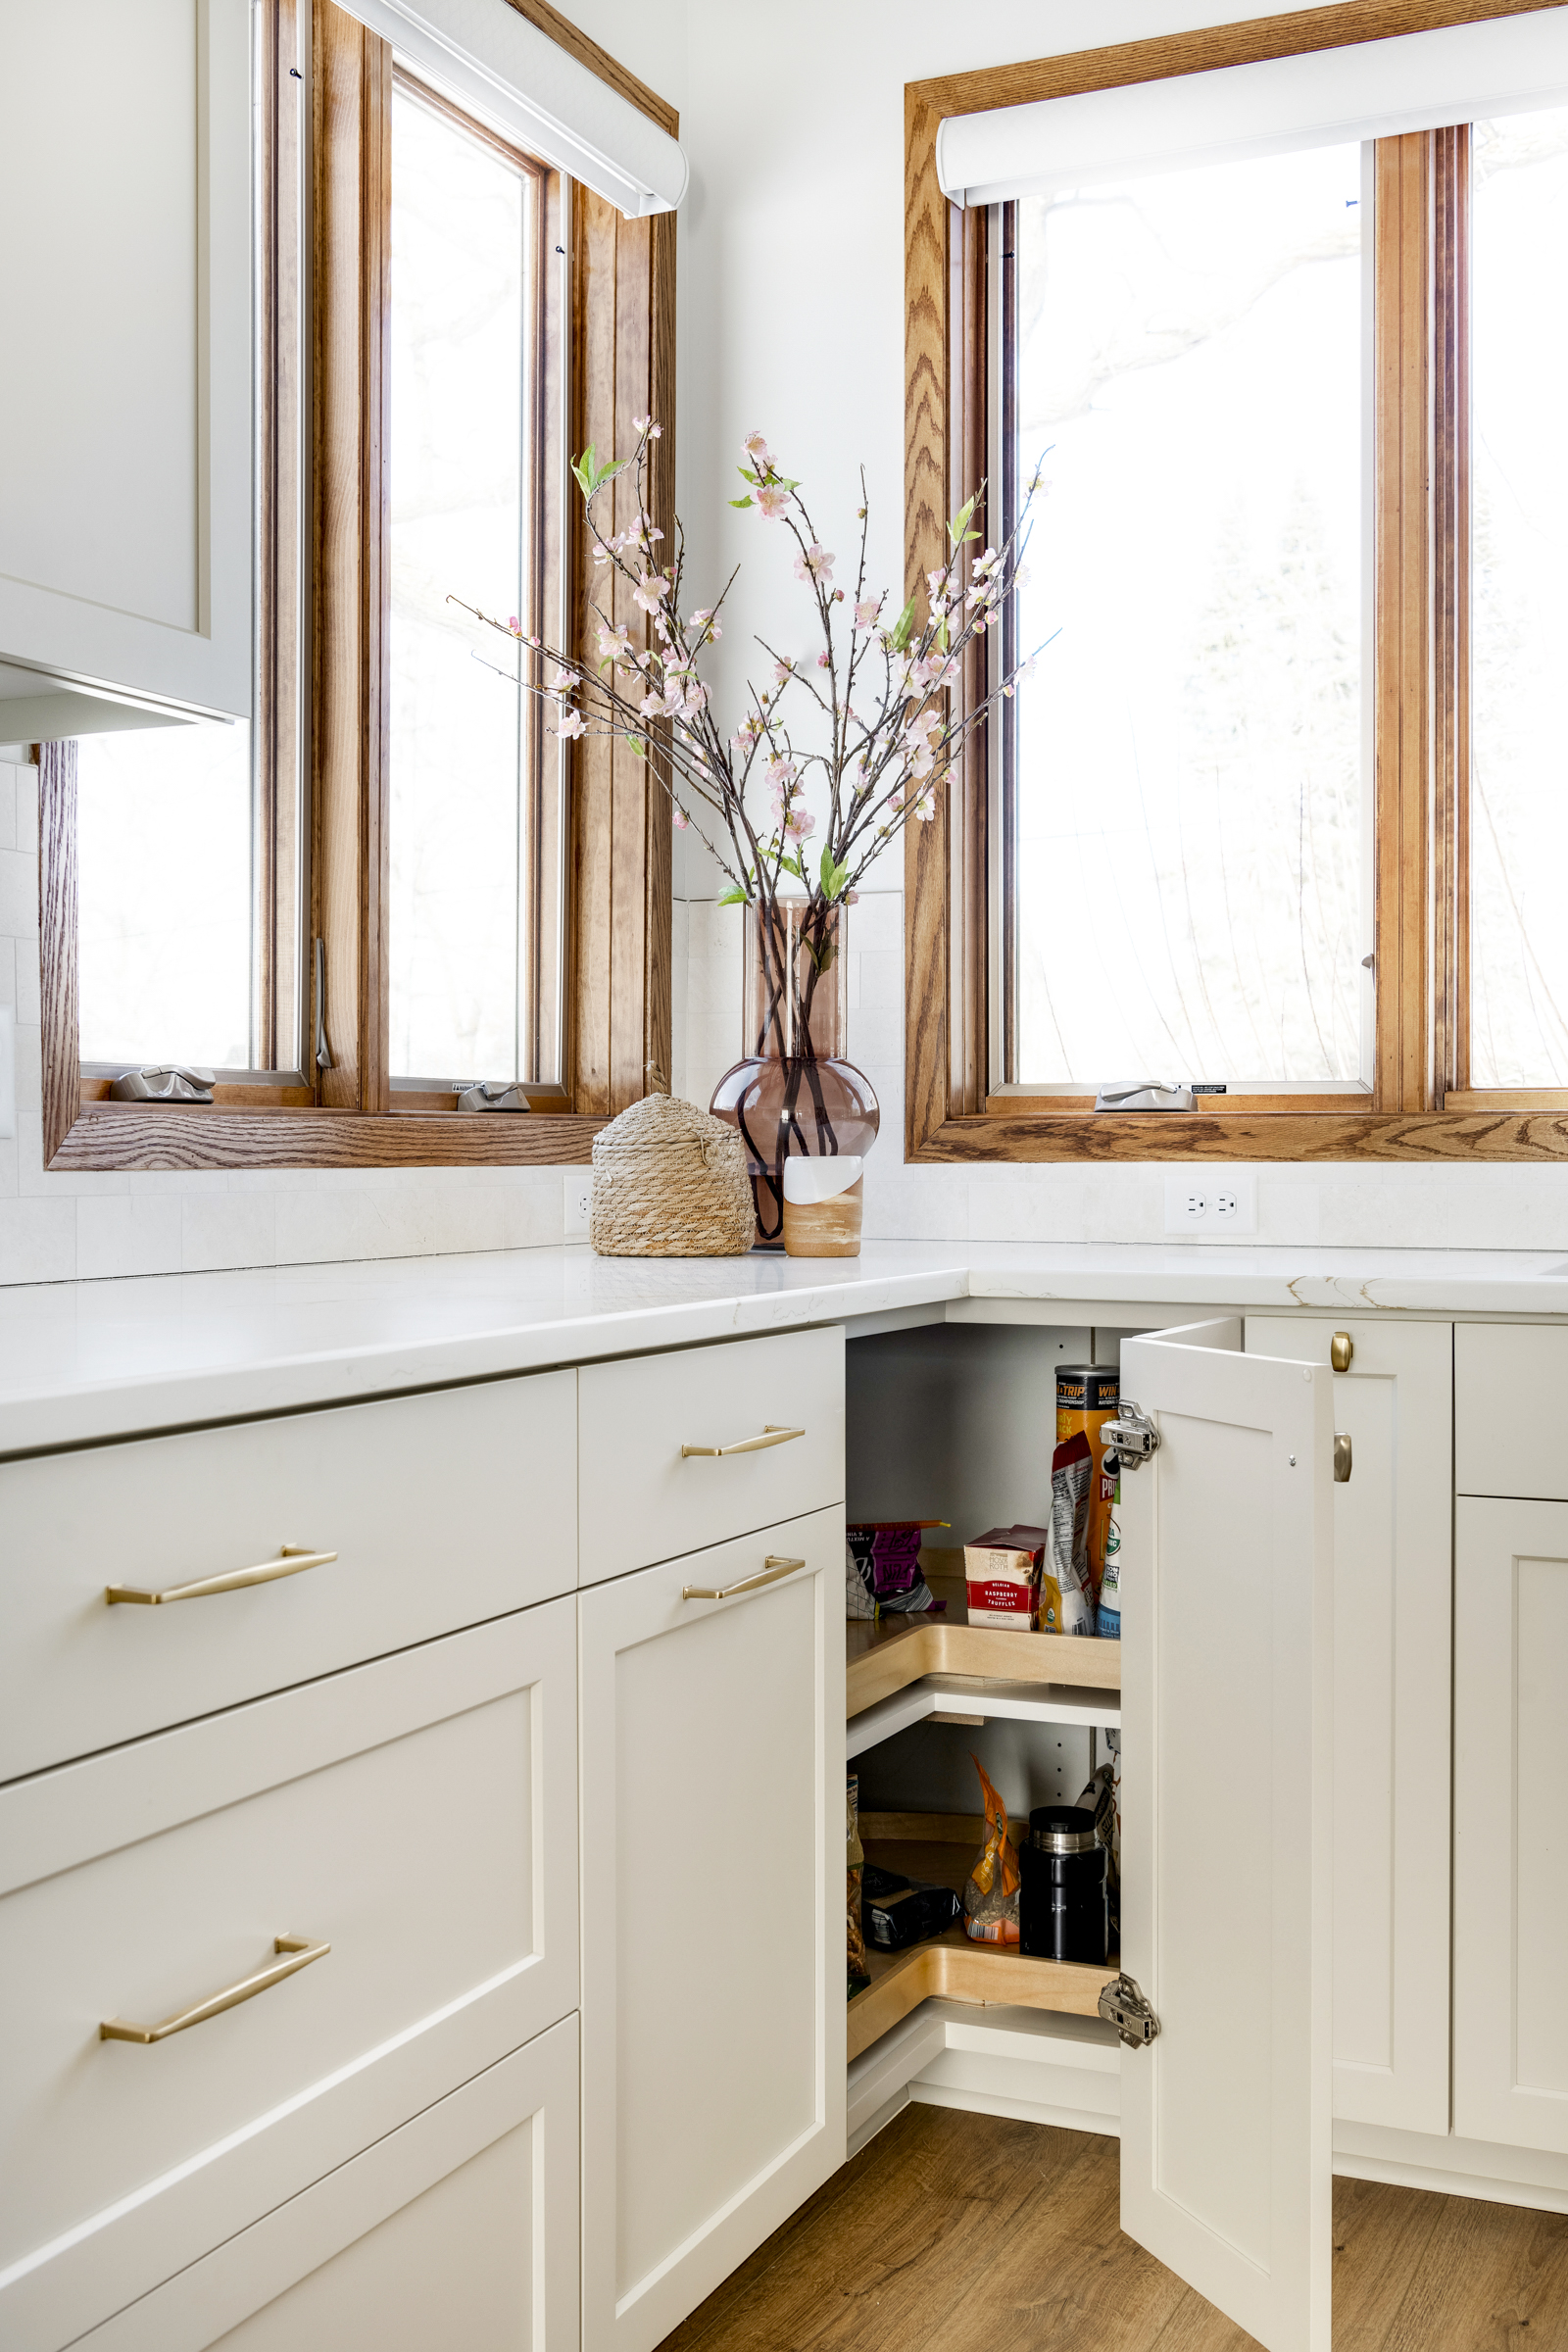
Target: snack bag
854 1882
1067 1584
991 1890
1101 1796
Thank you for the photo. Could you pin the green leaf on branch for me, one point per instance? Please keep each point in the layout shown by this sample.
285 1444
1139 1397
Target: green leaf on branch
833 877
590 475
735 895
638 746
740 501
958 528
903 626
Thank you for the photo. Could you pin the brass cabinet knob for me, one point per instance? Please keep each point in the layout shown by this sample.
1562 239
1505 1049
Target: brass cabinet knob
1340 1349
1342 1457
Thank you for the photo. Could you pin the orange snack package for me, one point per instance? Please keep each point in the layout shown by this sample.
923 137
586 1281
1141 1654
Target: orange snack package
991 1890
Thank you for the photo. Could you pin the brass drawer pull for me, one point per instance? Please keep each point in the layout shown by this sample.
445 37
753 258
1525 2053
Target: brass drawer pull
1342 1456
292 1560
1342 1347
300 1953
769 1575
772 1434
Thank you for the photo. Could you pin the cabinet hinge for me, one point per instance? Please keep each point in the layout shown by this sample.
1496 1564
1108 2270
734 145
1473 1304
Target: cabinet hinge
1131 1435
1123 2006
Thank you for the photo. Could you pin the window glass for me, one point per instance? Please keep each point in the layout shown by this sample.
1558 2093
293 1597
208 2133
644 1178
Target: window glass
1189 755
165 895
1519 608
464 495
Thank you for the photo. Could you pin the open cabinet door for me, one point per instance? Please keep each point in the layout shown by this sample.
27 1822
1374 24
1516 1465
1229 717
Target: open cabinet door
1227 1794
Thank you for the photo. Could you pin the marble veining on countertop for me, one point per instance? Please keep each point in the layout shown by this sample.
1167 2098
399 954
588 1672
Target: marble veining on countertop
85 1361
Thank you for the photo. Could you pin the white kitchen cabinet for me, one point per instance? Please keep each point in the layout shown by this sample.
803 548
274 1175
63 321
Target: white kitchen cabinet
373 1495
712 1736
412 1818
1227 1696
458 2228
678 1450
1510 2041
126 271
1391 1709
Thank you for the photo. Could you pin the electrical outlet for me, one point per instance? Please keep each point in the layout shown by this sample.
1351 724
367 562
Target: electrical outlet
579 1203
1221 1207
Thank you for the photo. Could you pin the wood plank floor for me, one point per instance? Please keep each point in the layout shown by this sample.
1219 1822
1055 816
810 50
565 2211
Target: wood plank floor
976 2233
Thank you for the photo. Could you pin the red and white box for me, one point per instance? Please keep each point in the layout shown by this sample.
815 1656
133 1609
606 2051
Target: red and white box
1001 1574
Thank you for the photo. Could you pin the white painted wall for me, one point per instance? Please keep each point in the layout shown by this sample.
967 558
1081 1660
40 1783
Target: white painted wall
790 288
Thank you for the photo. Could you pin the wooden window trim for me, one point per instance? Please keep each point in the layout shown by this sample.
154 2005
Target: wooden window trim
618 989
1422 1108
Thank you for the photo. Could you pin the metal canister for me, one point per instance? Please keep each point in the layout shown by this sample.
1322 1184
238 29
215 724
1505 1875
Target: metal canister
1064 1902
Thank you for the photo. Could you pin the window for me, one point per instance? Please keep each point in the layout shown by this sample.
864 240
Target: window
1518 943
396 881
1280 813
1186 764
191 839
475 778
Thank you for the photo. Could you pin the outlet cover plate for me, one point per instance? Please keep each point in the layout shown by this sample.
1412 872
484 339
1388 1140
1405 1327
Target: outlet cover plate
1211 1205
579 1182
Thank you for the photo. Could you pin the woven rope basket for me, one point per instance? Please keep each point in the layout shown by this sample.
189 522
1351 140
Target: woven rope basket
670 1182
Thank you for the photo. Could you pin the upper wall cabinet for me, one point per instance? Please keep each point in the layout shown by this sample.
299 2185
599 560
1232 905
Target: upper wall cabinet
126 285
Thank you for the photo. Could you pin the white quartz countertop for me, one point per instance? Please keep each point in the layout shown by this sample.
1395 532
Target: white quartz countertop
85 1361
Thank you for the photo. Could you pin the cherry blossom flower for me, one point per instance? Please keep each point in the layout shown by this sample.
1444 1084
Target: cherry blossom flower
772 504
867 612
651 592
572 723
679 818
783 670
925 808
646 424
799 824
614 645
709 623
757 449
822 661
815 564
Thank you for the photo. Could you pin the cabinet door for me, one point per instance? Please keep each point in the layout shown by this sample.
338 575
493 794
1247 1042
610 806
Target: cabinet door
126 555
1227 1691
458 2228
1510 1862
713 1932
1392 1604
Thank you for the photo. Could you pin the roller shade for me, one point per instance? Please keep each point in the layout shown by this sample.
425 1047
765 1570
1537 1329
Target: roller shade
1413 81
506 70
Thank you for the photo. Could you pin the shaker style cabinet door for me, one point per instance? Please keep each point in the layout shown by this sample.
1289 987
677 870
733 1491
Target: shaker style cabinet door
458 2228
1511 1859
1392 1606
125 529
1227 1798
711 1741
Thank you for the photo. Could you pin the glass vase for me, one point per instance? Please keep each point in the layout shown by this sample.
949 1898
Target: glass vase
793 1092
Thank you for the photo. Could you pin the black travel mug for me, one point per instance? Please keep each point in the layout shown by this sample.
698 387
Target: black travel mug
1064 1901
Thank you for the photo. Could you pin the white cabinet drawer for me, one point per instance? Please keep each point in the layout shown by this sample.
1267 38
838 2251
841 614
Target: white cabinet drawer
1504 1374
418 1814
458 2229
401 1490
642 1500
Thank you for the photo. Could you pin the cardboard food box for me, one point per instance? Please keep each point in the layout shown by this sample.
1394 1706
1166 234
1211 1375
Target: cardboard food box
1002 1572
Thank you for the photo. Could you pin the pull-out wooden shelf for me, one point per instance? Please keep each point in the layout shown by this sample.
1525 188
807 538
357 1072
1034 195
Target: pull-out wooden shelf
885 1656
940 1848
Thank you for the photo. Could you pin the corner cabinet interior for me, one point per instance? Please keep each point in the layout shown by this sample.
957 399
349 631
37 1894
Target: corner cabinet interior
125 247
1222 1690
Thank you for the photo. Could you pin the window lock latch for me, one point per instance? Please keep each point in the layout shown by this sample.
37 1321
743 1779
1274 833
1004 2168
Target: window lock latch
483 1094
163 1082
